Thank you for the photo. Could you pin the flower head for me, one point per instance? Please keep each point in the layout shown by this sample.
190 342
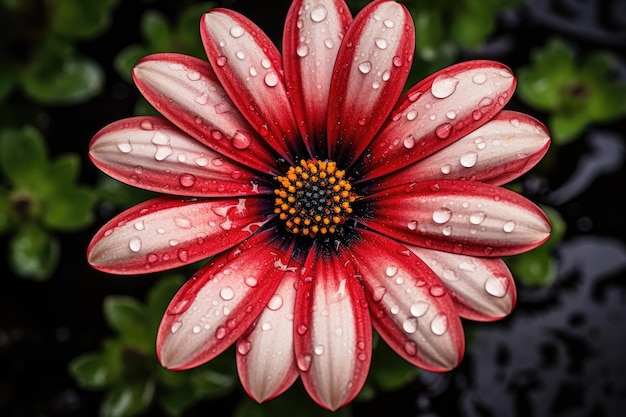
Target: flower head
329 202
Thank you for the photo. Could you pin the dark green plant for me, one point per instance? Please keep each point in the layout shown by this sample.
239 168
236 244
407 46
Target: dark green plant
39 197
127 370
575 92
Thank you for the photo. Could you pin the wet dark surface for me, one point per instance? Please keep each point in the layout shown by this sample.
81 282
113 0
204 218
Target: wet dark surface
561 353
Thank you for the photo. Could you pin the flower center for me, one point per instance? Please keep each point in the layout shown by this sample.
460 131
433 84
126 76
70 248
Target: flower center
313 198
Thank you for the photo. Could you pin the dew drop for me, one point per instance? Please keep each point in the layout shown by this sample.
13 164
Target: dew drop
152 258
477 218
134 244
271 79
381 43
236 31
451 114
275 303
319 350
266 326
221 61
409 142
443 131
444 86
439 325
508 226
241 140
445 169
397 61
479 78
437 291
442 215
302 50
251 281
319 13
496 286
388 23
176 326
412 225
182 222
220 333
409 325
227 293
183 255
139 225
302 329
329 43
304 362
125 147
196 329
187 180
146 124
447 231
241 55
243 347
365 67
469 159
410 347
419 308
379 293
391 270
411 115
265 63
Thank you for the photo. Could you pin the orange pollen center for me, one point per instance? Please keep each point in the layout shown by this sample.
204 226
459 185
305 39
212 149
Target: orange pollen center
313 198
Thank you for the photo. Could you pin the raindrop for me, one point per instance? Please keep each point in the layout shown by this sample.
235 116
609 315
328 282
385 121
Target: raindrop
477 115
176 326
241 55
302 329
397 61
266 326
304 363
187 180
388 23
381 43
243 347
508 226
409 325
379 293
241 140
319 13
139 225
477 218
447 231
193 75
419 308
480 143
391 270
365 67
265 63
153 257
451 114
443 131
271 79
302 50
196 329
409 142
443 86
329 43
174 242
182 222
183 255
221 61
134 244
319 350
479 78
146 124
439 325
410 347
220 333
412 225
496 286
227 293
442 215
251 281
236 31
275 303
124 147
469 159
446 169
437 291
412 115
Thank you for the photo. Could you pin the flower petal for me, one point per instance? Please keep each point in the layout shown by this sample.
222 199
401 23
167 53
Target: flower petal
482 288
499 151
410 308
333 340
186 91
166 233
436 112
464 217
220 302
151 153
265 357
313 32
250 69
372 66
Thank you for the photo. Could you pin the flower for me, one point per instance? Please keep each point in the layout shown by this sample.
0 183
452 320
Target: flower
329 201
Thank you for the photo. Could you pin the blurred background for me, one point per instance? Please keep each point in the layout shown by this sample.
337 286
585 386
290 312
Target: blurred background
76 342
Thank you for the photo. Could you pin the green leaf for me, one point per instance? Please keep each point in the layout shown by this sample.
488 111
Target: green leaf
6 219
155 29
8 81
159 297
70 208
127 317
58 76
23 156
33 253
128 399
91 370
79 18
389 371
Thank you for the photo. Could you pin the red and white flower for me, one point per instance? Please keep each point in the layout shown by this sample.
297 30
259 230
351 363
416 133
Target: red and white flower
328 201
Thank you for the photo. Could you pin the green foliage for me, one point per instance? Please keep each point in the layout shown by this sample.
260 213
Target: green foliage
126 367
38 49
161 36
538 266
38 198
575 94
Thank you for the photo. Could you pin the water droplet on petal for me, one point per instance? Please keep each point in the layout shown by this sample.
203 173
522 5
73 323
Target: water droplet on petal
176 326
365 67
437 291
134 244
479 78
304 363
469 159
319 350
271 79
302 329
125 147
497 287
442 215
439 325
251 281
443 86
410 347
236 31
381 43
419 308
220 333
477 218
391 270
275 303
241 140
508 226
319 13
302 50
409 142
187 180
227 293
243 347
412 225
409 325
379 293
443 131
445 169
221 61
146 124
